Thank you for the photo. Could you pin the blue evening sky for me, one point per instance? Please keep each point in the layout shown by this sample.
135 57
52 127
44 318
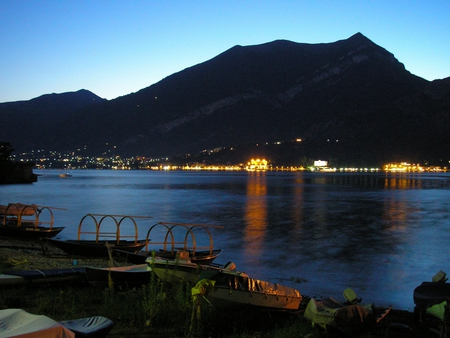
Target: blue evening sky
115 47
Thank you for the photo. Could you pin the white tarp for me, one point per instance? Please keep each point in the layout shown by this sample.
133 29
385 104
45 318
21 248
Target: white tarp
19 323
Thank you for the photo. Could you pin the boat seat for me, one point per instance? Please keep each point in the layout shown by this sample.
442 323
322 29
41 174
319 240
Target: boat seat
351 297
440 277
230 266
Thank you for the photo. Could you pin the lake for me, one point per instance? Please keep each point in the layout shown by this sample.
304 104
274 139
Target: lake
381 234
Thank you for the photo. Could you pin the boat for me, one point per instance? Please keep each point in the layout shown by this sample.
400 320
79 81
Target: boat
131 276
105 240
433 298
231 288
94 248
19 323
183 269
349 316
176 237
90 327
139 257
42 276
6 279
65 175
27 221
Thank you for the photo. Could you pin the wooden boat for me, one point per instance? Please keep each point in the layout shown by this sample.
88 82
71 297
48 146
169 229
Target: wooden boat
102 245
94 248
139 257
133 275
27 221
176 237
42 276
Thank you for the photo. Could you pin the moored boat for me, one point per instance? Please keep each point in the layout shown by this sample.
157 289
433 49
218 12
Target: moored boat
174 237
139 257
27 221
105 241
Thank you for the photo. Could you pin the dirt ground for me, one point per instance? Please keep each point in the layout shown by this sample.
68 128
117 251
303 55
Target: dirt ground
16 254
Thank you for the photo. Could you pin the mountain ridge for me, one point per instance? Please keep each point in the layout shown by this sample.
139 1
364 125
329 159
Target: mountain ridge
348 91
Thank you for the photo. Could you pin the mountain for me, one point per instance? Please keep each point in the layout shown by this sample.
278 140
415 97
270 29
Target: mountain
25 122
350 101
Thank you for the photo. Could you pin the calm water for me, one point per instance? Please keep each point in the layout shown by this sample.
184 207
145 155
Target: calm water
380 234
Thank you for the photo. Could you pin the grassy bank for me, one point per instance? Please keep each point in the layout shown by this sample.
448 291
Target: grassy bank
166 310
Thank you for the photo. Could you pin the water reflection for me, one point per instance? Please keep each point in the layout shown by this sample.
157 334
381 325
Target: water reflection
255 214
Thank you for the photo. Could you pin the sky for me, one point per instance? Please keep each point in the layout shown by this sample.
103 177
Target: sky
116 47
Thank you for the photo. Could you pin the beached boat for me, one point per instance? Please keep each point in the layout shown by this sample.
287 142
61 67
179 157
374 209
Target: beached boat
94 248
231 288
42 276
105 241
433 298
131 276
90 327
183 269
349 316
232 291
166 239
19 323
27 221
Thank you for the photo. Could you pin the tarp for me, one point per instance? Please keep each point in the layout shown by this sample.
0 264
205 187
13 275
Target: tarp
19 323
245 283
333 313
96 326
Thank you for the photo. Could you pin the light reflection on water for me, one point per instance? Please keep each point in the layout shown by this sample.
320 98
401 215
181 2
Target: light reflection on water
379 234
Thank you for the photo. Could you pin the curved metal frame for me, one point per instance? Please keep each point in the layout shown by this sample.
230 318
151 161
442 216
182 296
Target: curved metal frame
169 238
22 208
117 235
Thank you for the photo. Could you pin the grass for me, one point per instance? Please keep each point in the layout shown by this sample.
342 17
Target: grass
167 310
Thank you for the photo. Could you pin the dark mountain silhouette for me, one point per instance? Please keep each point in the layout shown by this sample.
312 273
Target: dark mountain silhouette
350 101
26 123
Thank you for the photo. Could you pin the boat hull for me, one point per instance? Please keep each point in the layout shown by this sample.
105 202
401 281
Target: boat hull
45 276
200 257
134 275
28 232
96 326
223 297
95 248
